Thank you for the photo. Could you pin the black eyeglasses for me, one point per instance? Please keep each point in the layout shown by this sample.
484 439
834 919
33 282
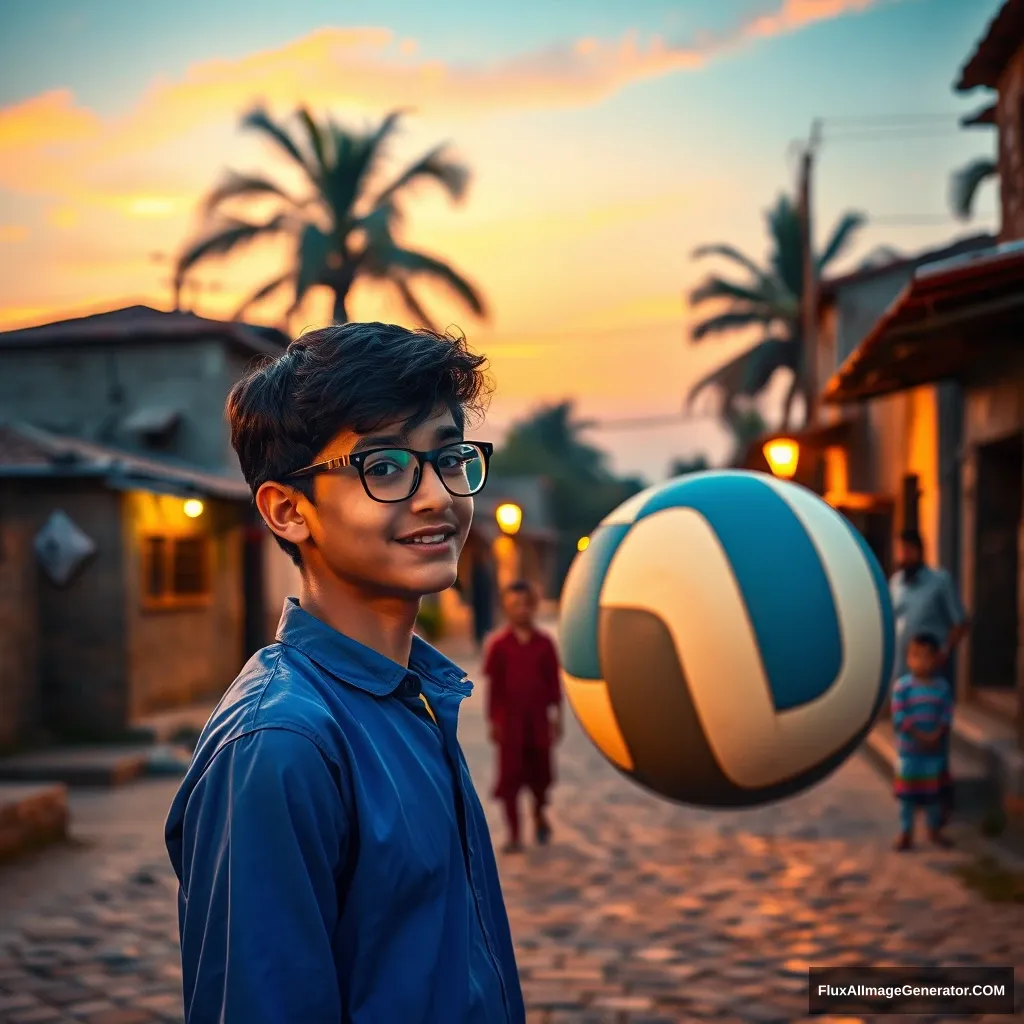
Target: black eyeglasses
394 474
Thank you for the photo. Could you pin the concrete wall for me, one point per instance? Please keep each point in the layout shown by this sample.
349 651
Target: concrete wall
1011 148
87 391
82 670
19 704
177 656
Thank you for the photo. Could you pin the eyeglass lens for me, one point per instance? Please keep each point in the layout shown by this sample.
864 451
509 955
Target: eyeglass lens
393 474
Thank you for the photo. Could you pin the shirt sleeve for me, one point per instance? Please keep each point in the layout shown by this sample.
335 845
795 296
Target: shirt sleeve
494 670
899 705
951 603
264 835
946 718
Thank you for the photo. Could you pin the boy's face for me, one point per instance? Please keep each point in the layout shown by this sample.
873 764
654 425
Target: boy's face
921 660
520 608
368 544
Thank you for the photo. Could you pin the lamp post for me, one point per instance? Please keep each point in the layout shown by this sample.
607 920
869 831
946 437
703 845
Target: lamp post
782 455
509 517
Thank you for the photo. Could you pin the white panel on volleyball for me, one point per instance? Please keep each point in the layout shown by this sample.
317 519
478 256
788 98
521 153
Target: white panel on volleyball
698 599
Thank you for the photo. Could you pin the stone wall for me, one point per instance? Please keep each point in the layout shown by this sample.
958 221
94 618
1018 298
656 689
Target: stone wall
19 704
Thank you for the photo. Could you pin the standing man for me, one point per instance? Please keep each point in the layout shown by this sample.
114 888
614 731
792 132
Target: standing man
925 601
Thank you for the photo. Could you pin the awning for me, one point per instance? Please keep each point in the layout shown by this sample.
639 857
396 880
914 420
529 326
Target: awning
949 314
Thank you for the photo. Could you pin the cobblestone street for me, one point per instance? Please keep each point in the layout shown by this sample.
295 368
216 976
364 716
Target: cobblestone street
639 912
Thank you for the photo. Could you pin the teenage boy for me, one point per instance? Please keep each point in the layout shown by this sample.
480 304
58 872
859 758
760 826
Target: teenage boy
333 857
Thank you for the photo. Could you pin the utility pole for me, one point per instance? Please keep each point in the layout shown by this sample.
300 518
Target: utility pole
809 305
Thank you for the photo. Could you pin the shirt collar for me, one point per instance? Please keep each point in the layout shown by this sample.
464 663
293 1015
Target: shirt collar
358 665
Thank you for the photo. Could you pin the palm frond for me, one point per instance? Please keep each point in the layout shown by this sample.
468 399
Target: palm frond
452 176
383 263
314 249
785 233
964 185
715 287
723 323
225 238
842 235
236 186
355 157
262 293
749 373
413 304
729 252
259 120
317 141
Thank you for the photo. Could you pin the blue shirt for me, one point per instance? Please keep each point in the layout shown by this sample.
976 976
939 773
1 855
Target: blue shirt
927 604
333 859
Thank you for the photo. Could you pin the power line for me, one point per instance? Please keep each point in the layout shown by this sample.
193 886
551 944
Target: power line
876 119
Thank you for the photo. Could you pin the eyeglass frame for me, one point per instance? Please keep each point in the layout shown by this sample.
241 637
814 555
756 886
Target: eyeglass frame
356 460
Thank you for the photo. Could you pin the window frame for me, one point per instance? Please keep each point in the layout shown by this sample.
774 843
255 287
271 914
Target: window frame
169 600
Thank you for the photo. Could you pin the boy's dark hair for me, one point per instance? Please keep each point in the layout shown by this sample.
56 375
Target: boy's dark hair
520 587
912 537
929 640
346 377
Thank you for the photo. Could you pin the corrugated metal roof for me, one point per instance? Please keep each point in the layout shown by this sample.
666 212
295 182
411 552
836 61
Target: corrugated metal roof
27 451
944 297
142 323
1002 39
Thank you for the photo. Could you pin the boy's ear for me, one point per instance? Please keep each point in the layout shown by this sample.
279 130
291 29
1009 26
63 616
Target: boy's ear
278 505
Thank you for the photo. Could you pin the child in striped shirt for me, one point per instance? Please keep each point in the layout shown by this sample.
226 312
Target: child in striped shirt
922 712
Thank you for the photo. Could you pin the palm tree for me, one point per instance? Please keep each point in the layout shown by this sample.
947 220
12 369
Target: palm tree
964 185
770 298
342 226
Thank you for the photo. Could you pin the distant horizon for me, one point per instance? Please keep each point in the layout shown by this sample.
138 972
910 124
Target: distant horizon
605 143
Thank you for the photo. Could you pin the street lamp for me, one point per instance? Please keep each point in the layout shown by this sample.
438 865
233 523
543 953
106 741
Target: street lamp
510 518
783 454
193 508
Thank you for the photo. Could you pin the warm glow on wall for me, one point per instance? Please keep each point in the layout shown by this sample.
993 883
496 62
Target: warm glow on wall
782 454
510 517
193 508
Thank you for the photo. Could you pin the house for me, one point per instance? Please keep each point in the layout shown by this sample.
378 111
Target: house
879 463
117 420
957 328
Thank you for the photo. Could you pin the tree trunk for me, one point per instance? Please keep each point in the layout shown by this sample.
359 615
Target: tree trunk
787 408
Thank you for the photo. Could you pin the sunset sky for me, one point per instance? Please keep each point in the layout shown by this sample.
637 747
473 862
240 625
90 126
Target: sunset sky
607 139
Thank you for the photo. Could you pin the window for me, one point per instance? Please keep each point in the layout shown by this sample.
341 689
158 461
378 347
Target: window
175 571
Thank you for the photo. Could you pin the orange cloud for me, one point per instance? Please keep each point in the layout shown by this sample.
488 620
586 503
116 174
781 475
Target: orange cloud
10 233
49 144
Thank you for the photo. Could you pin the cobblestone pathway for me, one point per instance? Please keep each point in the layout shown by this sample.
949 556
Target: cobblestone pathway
640 912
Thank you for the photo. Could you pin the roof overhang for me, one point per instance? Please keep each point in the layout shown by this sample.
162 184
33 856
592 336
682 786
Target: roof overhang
1003 37
948 315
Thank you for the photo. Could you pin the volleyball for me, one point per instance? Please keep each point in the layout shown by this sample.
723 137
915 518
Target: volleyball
726 638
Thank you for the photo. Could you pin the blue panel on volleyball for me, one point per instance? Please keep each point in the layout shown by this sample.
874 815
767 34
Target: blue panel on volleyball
778 572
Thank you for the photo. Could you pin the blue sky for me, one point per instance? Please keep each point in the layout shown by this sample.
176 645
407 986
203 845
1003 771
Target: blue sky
599 163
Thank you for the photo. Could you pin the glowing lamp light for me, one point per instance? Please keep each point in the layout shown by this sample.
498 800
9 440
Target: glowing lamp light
510 517
782 454
193 508
583 543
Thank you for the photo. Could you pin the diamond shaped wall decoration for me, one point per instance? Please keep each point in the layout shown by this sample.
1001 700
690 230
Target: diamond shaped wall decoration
62 548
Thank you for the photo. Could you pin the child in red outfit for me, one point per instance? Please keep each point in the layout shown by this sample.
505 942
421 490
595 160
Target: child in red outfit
524 708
